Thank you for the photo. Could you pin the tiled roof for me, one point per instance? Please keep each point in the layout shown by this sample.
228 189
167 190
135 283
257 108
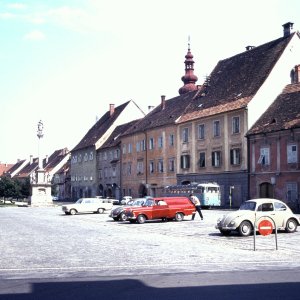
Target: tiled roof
114 138
55 159
235 80
16 166
4 168
159 116
282 114
101 126
28 169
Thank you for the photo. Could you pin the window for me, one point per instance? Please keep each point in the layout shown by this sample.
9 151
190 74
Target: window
216 158
292 192
140 167
171 140
264 158
171 164
143 145
114 172
202 160
79 158
129 168
105 172
138 147
160 166
151 166
85 157
100 174
201 133
105 156
124 149
216 128
160 142
151 143
129 148
185 135
91 156
235 124
292 154
185 161
235 156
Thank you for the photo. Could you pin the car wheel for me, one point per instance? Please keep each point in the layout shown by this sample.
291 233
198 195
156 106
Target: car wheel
100 210
122 217
225 232
245 228
179 217
291 226
73 212
141 219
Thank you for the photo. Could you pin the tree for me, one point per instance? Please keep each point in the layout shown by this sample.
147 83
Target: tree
10 187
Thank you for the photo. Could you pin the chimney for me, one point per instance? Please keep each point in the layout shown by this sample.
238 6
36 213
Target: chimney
150 108
287 27
249 47
163 102
111 109
30 159
46 159
296 78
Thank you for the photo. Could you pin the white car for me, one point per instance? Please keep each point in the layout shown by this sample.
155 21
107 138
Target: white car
125 200
87 205
252 211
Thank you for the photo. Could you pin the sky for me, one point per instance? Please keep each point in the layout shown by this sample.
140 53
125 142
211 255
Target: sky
64 61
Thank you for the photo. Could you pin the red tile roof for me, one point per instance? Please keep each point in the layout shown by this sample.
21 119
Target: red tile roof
101 126
235 80
282 114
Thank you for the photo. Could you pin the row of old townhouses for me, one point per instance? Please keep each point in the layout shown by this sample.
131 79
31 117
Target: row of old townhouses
240 128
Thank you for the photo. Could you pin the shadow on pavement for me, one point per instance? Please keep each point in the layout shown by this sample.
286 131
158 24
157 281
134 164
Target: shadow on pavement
134 289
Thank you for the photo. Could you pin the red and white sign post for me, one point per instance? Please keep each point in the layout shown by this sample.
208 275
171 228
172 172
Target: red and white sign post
265 227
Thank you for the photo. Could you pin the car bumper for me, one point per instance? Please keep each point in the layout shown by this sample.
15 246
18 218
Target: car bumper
225 228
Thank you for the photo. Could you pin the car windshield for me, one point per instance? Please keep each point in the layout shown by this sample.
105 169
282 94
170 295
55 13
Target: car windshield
79 201
149 202
249 205
137 202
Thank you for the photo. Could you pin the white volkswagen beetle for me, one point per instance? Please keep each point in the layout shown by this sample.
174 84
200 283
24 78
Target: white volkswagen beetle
252 211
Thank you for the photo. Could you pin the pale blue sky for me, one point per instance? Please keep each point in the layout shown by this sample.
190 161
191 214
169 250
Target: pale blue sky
65 61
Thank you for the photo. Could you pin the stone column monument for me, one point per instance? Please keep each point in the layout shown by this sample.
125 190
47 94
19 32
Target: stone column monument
40 184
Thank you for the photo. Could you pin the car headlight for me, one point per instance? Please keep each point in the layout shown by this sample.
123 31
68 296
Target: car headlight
232 223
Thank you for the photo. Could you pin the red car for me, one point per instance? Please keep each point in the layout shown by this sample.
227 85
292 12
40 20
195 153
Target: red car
164 208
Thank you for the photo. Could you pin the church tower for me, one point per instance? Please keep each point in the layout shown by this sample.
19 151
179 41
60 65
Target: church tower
189 79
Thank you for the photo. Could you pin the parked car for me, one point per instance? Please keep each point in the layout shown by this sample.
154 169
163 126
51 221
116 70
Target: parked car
252 211
118 213
125 200
164 208
87 205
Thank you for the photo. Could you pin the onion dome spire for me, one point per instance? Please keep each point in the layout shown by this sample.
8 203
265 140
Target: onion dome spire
189 79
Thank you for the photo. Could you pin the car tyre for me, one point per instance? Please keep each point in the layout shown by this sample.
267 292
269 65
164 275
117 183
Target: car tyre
291 226
141 219
179 217
73 212
245 228
122 217
100 210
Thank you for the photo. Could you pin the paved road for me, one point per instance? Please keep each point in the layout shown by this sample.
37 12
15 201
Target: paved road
43 250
